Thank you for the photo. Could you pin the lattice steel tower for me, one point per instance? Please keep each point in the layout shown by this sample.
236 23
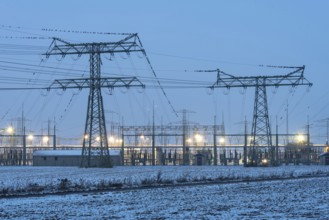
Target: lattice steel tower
261 134
261 137
95 140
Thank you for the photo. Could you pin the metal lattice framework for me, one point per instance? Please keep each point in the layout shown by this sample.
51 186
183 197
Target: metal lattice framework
95 140
107 82
127 45
261 142
261 130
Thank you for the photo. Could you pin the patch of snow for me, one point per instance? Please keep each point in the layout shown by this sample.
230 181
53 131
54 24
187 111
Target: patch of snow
27 180
289 199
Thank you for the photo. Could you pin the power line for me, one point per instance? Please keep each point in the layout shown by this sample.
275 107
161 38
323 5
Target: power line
83 32
155 75
49 70
203 59
19 30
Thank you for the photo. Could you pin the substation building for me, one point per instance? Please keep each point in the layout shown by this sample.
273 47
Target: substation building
324 158
70 158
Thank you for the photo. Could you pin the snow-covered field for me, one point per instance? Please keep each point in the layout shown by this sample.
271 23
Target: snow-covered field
41 180
286 199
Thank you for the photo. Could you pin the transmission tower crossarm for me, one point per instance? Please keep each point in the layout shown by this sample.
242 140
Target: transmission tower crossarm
63 48
108 82
294 78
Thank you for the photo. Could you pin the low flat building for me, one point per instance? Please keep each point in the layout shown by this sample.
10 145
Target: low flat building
201 159
69 158
324 158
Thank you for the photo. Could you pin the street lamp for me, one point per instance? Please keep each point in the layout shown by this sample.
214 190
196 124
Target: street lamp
301 153
221 141
300 138
198 138
10 130
111 139
119 140
221 146
30 137
45 139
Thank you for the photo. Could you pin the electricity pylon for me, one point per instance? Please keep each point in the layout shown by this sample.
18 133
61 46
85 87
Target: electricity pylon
95 140
261 147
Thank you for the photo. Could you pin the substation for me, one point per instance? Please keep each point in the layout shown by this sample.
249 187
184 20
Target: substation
164 145
182 143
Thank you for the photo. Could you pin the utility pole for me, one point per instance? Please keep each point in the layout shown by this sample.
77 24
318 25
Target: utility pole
184 121
185 129
24 139
277 159
95 139
122 145
308 141
54 136
245 143
261 137
327 133
287 122
215 142
153 139
48 132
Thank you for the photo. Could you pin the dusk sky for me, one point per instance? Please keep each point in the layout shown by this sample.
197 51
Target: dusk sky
179 37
